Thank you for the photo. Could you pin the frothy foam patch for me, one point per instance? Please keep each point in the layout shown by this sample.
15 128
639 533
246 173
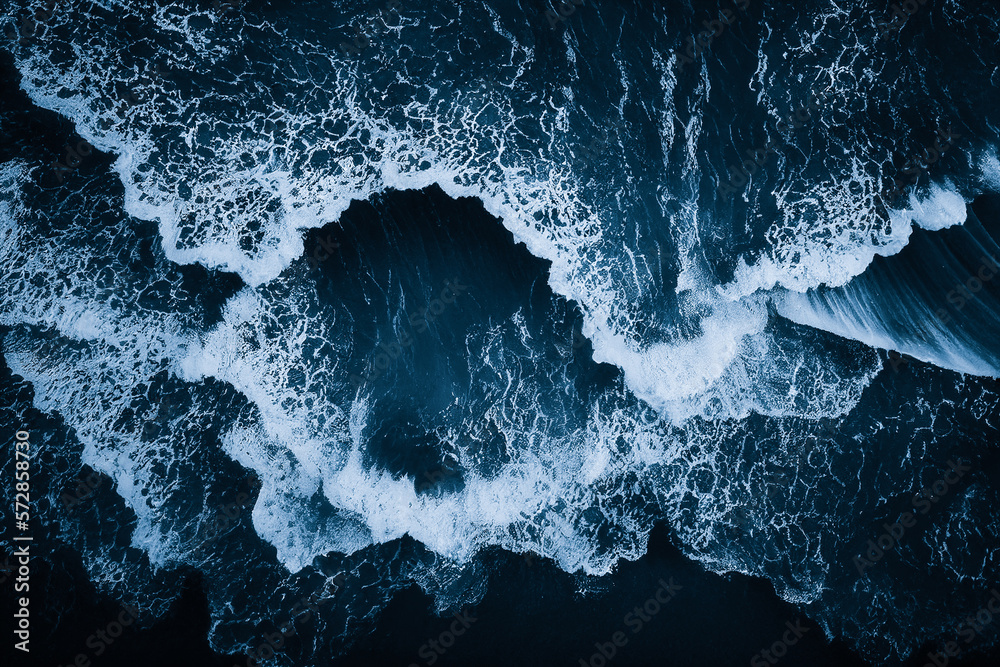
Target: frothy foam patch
942 207
206 201
989 167
296 460
831 234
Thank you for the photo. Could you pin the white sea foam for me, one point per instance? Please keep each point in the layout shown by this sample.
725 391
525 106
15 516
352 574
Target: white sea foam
834 253
543 208
300 446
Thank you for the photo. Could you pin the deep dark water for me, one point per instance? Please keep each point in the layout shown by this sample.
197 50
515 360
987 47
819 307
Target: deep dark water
734 616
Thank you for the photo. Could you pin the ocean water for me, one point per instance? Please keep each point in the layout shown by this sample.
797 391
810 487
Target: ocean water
402 307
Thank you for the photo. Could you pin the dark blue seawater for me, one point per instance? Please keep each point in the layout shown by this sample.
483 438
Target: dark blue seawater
472 333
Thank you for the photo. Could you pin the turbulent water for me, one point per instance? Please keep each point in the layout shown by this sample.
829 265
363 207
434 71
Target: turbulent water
481 275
